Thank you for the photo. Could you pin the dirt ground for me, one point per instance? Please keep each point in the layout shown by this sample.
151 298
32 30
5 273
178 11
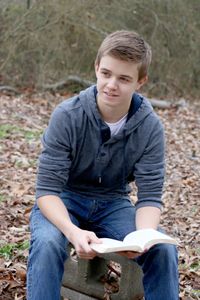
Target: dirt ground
22 120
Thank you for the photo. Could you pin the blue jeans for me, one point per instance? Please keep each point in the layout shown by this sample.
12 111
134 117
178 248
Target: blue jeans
107 218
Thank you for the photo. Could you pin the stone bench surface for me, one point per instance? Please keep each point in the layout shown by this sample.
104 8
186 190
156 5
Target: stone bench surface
81 279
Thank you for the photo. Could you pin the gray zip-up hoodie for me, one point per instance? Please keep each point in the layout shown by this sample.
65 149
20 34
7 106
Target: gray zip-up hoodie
79 155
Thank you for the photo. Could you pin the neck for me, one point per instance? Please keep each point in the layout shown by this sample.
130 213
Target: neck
112 118
112 115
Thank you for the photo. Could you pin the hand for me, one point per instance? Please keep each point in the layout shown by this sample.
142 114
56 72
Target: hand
81 240
131 254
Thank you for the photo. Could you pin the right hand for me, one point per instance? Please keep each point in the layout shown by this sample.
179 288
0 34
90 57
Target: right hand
81 240
55 211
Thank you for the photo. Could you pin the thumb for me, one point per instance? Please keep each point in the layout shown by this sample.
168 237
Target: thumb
94 239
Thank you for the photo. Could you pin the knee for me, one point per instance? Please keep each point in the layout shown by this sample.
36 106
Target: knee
166 251
161 255
165 256
48 243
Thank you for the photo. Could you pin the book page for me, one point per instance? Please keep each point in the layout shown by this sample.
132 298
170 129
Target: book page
106 244
147 237
134 241
110 245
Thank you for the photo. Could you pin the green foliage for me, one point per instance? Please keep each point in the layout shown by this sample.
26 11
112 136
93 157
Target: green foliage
195 266
7 130
8 250
31 134
2 197
54 39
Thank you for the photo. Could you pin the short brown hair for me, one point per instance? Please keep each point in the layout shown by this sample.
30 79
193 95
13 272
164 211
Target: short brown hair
128 46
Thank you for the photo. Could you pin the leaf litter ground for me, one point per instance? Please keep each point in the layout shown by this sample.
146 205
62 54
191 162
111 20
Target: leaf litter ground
22 121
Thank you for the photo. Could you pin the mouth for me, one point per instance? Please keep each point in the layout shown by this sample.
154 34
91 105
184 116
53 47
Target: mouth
110 94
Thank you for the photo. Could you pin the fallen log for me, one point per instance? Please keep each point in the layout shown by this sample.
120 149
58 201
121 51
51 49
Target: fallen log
160 103
73 79
9 89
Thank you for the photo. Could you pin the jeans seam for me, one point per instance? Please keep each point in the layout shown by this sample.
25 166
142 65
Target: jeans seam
29 289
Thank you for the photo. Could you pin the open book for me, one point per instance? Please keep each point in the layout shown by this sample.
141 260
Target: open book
138 241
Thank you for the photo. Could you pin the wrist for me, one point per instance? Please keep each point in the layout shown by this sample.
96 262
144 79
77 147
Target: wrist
69 231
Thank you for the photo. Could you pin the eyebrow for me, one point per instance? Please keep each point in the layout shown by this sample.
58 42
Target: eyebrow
121 75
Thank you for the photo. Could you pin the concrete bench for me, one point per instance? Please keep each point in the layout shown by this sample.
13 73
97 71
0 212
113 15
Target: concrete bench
82 279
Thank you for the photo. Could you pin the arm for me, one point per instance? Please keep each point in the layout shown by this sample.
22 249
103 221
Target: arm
149 175
55 211
147 217
149 170
53 172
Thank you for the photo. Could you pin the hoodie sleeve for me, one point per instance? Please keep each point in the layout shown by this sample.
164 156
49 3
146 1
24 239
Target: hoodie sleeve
54 160
150 170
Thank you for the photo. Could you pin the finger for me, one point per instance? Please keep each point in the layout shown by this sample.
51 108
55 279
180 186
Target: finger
85 251
86 255
130 254
145 250
90 253
94 239
125 253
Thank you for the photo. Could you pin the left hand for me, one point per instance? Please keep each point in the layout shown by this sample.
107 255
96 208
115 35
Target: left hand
131 254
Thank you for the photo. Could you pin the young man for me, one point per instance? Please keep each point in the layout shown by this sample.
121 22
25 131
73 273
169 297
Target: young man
95 144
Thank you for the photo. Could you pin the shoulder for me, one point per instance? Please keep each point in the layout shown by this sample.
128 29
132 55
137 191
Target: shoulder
152 116
69 105
145 114
78 103
67 109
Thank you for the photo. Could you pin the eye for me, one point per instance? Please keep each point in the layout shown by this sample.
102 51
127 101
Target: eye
105 73
124 79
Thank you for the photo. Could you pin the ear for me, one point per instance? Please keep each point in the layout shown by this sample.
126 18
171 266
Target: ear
96 67
141 82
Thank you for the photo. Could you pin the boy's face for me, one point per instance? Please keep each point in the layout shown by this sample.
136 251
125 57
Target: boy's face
117 80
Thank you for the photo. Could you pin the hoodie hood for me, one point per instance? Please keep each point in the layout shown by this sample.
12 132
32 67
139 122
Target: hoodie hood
80 156
135 115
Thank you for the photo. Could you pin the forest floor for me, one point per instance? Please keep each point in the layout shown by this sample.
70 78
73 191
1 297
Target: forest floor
22 121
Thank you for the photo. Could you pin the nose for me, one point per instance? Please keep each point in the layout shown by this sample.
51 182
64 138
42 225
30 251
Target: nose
112 83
